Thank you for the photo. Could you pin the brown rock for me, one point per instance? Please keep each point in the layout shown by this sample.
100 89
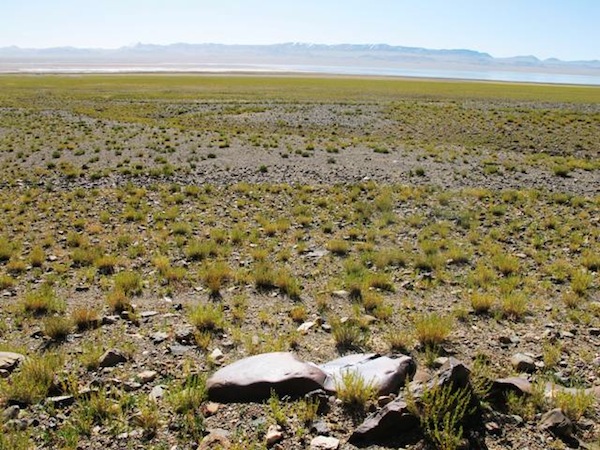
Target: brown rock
216 439
557 423
210 409
386 374
147 376
253 378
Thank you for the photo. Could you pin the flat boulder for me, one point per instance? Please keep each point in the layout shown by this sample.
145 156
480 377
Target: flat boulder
10 360
252 379
386 374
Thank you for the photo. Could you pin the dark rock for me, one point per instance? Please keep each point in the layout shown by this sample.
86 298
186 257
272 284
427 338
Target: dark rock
452 373
61 401
253 378
111 358
557 423
9 361
391 420
594 331
386 374
109 320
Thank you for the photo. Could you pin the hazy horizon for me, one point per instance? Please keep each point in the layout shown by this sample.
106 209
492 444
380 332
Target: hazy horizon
544 29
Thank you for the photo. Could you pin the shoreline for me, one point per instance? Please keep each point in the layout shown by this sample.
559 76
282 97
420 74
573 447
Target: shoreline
283 74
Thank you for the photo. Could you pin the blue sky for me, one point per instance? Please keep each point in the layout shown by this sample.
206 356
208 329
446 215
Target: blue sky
566 29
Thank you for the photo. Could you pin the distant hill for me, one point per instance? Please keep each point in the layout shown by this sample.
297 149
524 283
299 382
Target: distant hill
287 56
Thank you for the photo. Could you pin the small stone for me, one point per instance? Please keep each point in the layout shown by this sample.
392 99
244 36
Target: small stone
111 358
110 320
523 363
156 393
147 376
61 401
324 443
215 439
159 337
384 400
210 408
184 335
320 428
16 424
10 413
274 435
305 327
341 294
130 386
179 350
493 428
148 314
216 356
439 361
594 331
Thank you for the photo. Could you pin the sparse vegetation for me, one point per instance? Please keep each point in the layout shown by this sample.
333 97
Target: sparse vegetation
175 218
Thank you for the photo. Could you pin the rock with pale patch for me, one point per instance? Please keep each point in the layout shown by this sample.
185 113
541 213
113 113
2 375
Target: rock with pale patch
557 423
9 361
324 443
305 327
216 356
523 363
274 435
253 378
386 374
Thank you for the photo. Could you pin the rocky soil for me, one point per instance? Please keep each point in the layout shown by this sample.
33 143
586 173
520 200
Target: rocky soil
150 246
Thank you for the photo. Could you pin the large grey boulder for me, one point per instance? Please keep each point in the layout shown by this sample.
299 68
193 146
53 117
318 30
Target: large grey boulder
253 378
387 375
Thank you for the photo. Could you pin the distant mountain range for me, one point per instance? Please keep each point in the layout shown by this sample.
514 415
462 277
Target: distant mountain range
286 56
